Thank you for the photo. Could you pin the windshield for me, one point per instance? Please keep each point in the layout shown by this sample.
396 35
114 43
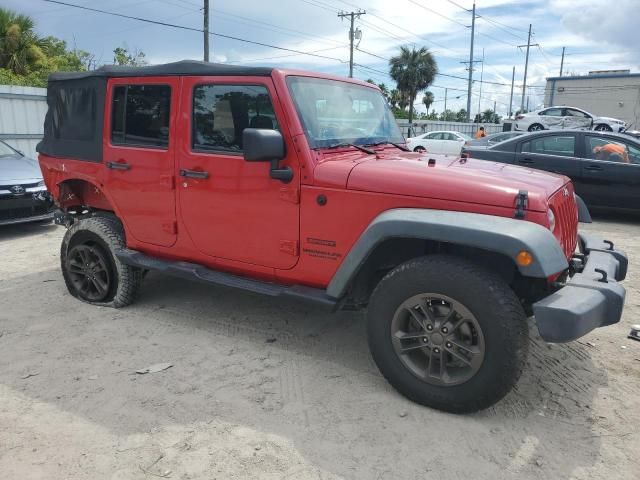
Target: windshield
334 112
6 150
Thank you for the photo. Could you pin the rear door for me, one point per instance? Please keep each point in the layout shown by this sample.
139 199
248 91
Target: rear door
140 123
610 179
555 153
551 118
452 144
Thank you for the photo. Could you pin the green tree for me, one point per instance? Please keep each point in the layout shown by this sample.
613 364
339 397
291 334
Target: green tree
461 116
448 116
413 70
122 56
427 99
20 48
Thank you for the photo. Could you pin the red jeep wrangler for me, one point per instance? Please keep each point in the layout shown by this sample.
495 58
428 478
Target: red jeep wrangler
298 185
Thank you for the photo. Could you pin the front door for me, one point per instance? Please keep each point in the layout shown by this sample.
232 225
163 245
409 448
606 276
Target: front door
578 119
140 122
611 176
233 209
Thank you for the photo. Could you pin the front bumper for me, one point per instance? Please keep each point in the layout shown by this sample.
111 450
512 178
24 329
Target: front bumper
590 299
28 207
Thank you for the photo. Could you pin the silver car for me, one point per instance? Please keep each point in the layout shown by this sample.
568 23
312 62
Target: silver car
23 195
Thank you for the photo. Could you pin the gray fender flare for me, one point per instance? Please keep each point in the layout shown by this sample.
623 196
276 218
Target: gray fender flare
507 236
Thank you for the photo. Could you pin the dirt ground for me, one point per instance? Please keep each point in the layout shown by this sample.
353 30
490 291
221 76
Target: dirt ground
265 389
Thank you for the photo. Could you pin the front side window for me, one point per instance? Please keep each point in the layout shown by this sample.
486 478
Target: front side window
140 115
435 136
334 112
222 112
552 145
609 150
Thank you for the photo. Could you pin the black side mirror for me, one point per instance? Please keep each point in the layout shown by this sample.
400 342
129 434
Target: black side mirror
263 145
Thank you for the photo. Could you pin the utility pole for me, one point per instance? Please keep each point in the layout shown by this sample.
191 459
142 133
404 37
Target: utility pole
513 78
526 65
562 61
352 34
481 77
206 30
527 103
445 103
473 32
494 110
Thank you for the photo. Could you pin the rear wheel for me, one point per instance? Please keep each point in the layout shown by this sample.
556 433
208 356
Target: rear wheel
536 127
419 149
603 127
447 333
90 268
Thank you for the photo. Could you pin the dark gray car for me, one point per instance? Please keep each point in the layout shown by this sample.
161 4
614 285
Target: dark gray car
604 167
23 195
490 140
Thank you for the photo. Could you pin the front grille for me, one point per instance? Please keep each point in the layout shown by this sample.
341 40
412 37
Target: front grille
24 185
566 211
17 213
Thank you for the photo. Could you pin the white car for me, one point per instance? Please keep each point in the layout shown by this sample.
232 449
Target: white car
446 142
561 117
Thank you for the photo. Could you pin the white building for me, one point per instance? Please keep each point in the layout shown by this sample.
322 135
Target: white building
607 93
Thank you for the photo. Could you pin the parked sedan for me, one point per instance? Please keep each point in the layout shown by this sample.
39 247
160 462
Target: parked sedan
447 142
563 117
23 195
490 140
605 167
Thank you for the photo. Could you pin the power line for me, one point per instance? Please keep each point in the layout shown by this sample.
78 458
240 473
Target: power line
437 13
192 29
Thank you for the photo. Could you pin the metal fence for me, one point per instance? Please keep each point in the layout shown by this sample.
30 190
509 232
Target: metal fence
423 126
22 111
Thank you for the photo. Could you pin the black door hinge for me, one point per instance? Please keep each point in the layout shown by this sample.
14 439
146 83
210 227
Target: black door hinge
522 202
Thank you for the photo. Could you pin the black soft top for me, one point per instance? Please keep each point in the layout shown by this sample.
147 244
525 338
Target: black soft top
183 67
73 126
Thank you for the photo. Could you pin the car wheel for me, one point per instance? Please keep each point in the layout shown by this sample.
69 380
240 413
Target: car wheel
447 333
91 271
536 127
419 149
603 127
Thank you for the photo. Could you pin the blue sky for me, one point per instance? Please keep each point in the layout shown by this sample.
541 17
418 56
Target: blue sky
597 34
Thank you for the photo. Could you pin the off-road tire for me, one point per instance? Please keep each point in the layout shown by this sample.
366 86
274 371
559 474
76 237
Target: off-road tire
496 309
107 234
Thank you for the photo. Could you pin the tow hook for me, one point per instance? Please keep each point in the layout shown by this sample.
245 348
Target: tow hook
604 275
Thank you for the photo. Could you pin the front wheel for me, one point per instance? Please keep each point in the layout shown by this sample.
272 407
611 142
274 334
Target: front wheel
536 127
447 333
420 149
603 127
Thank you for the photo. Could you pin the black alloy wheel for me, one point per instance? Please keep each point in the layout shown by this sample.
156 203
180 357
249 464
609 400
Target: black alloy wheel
438 339
90 272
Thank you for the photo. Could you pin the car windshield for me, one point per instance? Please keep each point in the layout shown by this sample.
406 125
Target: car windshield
334 112
6 150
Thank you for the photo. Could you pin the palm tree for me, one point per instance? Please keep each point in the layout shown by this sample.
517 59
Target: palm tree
20 47
394 98
427 100
413 70
385 91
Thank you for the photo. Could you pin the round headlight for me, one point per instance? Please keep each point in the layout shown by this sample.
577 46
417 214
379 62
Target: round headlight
552 220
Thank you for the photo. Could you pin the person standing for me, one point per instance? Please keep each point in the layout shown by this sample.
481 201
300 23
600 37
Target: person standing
480 133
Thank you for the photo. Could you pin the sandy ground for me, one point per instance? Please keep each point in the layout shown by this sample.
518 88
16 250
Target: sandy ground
265 389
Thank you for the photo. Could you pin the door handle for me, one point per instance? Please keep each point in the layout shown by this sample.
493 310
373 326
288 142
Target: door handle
118 166
593 168
194 174
526 161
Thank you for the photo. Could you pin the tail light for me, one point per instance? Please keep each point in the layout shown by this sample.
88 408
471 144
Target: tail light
519 117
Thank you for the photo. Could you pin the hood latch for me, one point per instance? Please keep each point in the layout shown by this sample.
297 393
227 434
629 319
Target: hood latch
522 202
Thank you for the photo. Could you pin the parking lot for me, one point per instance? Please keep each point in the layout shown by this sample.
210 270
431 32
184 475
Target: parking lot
261 388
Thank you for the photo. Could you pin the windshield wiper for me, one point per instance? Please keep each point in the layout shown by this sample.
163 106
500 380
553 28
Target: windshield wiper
397 145
359 147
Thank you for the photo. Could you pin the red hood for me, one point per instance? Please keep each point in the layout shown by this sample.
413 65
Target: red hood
472 181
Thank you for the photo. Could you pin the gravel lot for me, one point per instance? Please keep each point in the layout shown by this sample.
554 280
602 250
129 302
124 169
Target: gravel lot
265 389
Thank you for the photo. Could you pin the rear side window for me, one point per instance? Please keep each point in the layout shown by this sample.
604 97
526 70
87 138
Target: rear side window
552 112
222 112
74 117
552 145
140 115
